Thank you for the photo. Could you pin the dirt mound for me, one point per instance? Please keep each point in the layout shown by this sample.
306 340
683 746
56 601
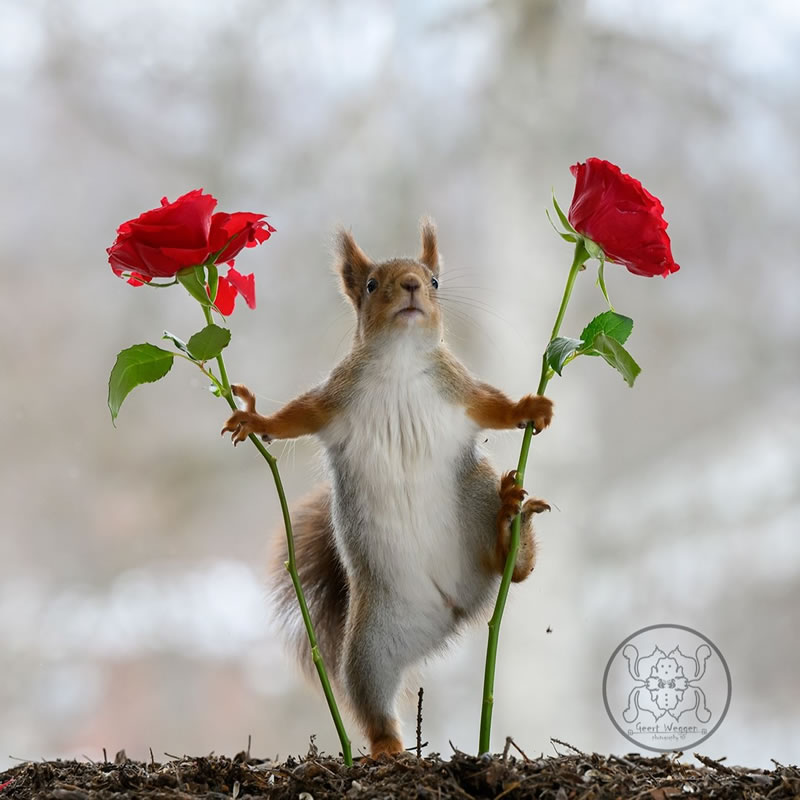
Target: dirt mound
565 777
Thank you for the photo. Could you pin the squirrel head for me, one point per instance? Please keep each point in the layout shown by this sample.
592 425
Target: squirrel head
396 297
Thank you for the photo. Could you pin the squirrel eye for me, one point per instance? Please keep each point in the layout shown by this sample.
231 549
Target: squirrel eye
372 285
435 283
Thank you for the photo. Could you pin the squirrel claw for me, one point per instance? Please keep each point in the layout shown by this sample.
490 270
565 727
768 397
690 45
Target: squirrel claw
511 496
535 506
242 424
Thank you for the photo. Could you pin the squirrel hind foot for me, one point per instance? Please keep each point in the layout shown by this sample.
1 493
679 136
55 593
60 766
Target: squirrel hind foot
386 745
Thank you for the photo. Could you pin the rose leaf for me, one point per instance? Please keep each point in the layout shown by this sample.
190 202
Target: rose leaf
559 350
616 355
209 342
142 363
616 326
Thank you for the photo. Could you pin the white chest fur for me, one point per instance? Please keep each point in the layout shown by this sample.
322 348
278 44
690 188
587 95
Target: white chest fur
397 449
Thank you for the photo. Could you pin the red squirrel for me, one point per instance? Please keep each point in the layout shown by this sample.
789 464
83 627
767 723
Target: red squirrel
409 538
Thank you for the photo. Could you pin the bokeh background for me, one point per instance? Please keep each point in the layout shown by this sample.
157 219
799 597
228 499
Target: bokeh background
132 604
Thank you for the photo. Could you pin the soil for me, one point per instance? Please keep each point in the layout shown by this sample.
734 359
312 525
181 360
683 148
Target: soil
572 776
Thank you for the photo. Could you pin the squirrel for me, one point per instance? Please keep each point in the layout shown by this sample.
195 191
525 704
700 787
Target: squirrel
409 539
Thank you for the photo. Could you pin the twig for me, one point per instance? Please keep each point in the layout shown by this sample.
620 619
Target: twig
419 723
518 749
105 756
249 741
455 749
152 760
506 749
568 746
717 765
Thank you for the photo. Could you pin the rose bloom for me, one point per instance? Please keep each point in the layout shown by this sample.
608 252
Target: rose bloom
616 212
161 242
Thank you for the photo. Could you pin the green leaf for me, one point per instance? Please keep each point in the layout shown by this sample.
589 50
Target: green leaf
559 350
142 363
564 221
179 343
567 237
601 280
209 342
616 326
593 249
195 284
213 280
617 356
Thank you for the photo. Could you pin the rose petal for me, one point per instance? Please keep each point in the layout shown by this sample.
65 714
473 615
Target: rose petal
164 240
231 232
245 285
226 297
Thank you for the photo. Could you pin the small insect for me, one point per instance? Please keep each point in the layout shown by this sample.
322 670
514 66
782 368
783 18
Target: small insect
549 629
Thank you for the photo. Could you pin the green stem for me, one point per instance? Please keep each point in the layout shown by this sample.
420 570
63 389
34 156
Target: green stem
581 255
291 566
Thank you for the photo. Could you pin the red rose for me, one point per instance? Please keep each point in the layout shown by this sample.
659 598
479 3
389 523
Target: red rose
161 242
616 212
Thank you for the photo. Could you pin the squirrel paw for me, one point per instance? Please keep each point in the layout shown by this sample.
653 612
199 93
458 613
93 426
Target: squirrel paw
511 497
535 409
242 424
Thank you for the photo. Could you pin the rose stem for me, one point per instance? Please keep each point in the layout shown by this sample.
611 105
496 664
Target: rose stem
581 255
291 566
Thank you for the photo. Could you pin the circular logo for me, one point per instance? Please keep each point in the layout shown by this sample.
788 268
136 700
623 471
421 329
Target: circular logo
667 687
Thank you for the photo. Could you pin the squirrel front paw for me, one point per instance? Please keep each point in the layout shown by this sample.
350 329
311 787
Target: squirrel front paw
243 423
535 409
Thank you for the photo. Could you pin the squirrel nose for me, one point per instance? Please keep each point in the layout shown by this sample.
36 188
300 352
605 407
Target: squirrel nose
410 283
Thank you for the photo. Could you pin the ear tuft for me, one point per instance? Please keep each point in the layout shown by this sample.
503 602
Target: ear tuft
430 249
353 266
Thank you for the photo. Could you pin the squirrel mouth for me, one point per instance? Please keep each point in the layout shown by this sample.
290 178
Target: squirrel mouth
409 311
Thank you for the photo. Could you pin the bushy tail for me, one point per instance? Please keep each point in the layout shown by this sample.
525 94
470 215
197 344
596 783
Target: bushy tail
322 577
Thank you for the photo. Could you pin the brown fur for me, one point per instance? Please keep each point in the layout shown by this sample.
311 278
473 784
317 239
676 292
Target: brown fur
430 249
306 414
322 577
490 408
353 265
382 310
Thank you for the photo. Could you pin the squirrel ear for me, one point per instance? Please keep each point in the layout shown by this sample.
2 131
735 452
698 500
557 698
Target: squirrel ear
430 250
353 265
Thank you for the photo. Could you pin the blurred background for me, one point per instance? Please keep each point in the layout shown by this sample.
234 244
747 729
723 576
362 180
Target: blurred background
133 611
